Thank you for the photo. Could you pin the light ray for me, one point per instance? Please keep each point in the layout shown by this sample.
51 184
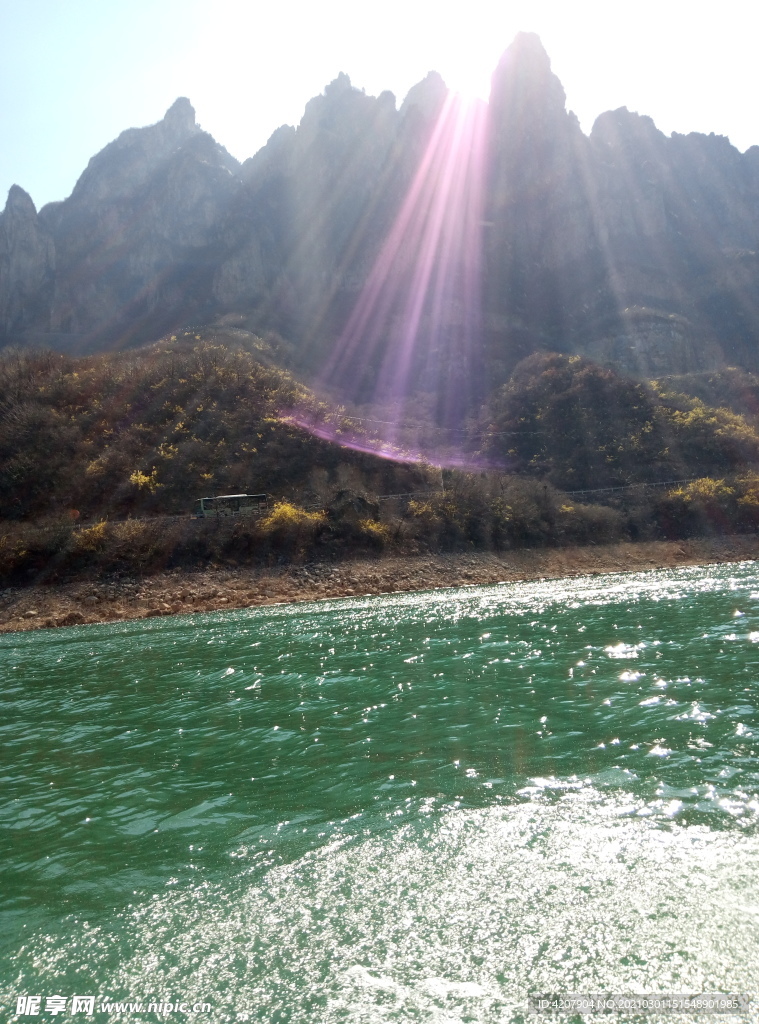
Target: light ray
416 326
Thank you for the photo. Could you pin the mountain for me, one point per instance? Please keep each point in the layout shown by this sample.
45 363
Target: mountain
378 239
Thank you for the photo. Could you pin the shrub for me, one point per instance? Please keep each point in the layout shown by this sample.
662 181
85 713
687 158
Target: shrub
747 487
145 481
701 506
424 511
529 510
590 524
378 534
91 538
286 515
34 547
289 528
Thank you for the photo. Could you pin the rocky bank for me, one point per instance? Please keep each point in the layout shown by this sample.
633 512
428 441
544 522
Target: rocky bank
180 592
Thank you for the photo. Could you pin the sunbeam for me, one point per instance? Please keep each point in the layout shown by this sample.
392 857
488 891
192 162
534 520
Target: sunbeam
416 328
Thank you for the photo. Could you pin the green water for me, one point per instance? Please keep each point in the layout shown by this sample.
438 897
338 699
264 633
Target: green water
414 807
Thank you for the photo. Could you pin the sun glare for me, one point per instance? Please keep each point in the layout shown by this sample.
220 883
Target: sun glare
469 78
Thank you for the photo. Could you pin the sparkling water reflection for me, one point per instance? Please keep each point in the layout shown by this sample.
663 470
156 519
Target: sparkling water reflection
414 807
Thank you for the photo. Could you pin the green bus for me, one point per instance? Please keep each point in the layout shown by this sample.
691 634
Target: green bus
231 505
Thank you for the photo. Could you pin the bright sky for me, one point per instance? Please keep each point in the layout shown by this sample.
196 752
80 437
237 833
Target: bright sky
75 73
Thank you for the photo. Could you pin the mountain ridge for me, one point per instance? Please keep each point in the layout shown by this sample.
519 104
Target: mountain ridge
636 249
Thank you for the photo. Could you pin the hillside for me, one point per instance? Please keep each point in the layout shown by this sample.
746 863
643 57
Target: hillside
148 431
583 426
98 453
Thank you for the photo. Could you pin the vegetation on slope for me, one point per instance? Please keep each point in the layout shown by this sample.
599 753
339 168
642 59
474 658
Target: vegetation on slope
88 443
150 430
729 388
580 426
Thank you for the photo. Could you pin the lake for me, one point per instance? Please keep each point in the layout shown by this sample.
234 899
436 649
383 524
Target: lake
412 807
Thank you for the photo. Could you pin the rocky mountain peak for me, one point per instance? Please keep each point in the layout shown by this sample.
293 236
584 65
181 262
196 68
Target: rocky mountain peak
20 202
623 128
523 84
341 84
26 263
128 162
426 96
531 134
180 117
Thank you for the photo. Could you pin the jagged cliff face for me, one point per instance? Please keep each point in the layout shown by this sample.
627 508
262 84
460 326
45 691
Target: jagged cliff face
637 249
544 274
678 222
138 236
27 265
135 243
315 206
632 247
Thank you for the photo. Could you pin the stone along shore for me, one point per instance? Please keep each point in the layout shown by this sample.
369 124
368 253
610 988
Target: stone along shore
184 591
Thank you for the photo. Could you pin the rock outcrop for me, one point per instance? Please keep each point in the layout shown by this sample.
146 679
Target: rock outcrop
27 266
638 249
137 241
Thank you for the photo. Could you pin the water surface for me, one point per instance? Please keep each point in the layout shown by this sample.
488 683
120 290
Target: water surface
415 807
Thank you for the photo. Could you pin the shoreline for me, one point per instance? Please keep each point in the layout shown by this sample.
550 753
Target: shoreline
185 591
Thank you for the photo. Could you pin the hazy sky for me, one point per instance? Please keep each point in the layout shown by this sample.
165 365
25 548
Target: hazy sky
75 73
